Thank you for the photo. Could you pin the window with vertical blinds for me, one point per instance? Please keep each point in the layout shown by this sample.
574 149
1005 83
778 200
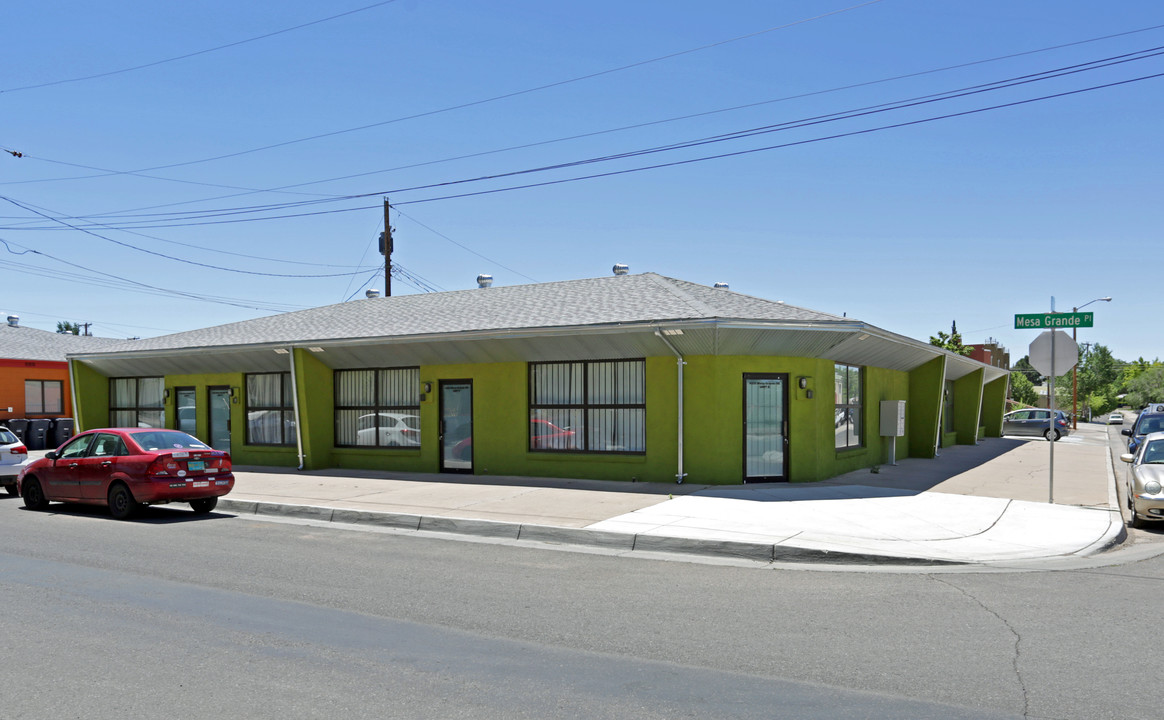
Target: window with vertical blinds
588 406
44 397
377 408
270 409
137 402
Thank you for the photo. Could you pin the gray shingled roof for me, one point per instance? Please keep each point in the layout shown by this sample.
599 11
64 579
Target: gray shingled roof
613 300
25 343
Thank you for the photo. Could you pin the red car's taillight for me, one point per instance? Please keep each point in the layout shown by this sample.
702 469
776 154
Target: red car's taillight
158 466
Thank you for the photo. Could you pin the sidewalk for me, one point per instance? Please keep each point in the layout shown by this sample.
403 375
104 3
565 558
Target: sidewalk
975 504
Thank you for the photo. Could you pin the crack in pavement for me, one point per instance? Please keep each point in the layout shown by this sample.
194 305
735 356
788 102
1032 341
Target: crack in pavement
1017 639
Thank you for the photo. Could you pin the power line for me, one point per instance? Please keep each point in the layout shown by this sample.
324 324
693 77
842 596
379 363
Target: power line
774 147
195 218
171 257
287 188
496 98
136 286
466 248
155 63
359 268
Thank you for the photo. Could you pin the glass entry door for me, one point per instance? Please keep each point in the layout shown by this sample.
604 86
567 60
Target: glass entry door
186 411
765 428
220 418
456 430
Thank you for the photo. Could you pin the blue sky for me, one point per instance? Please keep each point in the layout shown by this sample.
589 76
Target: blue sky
960 212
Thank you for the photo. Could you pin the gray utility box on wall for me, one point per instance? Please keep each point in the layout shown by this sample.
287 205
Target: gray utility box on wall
892 424
892 418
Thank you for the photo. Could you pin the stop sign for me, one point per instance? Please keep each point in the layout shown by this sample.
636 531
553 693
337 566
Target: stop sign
1066 353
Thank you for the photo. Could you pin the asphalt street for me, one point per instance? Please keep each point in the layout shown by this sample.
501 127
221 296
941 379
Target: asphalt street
249 617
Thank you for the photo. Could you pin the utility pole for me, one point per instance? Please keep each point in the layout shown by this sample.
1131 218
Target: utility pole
86 326
386 248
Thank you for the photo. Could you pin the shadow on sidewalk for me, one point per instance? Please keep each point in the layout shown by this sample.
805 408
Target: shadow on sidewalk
616 486
910 476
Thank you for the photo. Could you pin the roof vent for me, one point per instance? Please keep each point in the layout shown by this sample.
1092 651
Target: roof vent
484 280
372 293
13 321
621 268
721 286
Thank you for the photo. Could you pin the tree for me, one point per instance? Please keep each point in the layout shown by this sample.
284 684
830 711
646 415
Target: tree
1021 389
64 327
1024 366
951 342
1148 387
1097 369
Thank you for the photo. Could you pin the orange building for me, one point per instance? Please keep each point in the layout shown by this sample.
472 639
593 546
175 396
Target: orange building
34 375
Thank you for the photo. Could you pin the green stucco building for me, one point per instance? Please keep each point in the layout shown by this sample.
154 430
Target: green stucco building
628 377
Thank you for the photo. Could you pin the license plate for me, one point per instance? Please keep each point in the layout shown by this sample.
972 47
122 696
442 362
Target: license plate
195 465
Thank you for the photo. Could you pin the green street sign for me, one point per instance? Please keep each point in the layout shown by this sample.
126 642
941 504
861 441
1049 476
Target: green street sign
1043 321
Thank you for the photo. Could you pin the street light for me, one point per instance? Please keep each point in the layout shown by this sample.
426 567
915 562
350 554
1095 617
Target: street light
1074 374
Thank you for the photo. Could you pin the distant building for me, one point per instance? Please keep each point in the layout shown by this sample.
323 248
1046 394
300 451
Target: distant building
991 353
34 375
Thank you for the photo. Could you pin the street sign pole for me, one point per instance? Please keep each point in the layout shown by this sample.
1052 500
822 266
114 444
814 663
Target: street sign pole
1050 350
1051 429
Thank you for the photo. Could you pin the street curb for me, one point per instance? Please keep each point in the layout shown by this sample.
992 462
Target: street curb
1115 516
601 539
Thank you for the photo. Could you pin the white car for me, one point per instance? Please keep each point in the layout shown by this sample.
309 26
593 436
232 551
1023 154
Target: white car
1115 419
13 457
395 430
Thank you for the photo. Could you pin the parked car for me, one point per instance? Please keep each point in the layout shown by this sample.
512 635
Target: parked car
395 430
1115 419
1146 424
1145 488
13 456
1034 421
125 468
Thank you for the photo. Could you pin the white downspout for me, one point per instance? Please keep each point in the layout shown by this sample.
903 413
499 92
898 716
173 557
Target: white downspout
680 362
73 393
295 399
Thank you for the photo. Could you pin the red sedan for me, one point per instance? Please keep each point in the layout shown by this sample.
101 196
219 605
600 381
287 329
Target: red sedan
125 468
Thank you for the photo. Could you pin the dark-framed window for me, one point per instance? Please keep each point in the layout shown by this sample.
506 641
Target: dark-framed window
377 407
137 402
270 409
848 381
588 406
44 397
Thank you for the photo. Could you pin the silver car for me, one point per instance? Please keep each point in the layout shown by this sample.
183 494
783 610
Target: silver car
13 457
1035 421
1145 485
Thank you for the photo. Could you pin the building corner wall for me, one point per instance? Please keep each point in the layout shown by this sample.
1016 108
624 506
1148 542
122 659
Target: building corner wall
967 406
923 411
994 405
